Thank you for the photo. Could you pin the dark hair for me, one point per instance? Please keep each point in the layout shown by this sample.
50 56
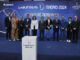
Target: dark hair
33 17
69 17
27 14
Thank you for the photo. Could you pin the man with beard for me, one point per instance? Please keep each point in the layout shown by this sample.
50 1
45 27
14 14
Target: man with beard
42 28
56 25
27 23
75 26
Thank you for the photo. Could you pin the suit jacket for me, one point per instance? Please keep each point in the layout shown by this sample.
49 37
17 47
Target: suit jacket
8 22
75 24
56 23
49 25
20 25
69 26
63 23
41 25
27 21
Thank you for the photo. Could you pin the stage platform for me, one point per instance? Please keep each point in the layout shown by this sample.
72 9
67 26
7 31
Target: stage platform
46 50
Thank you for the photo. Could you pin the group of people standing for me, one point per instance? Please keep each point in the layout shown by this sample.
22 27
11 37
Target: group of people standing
15 27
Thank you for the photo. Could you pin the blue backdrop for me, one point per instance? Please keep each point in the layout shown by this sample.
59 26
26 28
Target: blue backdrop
39 9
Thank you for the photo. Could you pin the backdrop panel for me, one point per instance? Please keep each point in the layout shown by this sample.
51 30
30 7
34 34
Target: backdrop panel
38 9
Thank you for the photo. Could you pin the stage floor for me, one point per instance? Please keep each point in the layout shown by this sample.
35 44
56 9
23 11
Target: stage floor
46 50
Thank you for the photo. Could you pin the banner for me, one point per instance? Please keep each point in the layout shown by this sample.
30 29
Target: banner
38 9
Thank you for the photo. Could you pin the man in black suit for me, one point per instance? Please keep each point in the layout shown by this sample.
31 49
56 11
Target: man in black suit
48 27
42 28
56 25
8 26
27 23
20 28
75 26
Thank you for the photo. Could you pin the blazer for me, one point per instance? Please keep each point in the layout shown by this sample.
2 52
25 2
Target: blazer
8 22
49 25
69 26
56 23
75 24
63 23
27 21
42 25
34 23
20 25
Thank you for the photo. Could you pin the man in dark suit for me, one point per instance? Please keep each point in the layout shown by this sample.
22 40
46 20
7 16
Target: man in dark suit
56 25
69 29
42 28
27 23
75 26
20 28
48 27
8 26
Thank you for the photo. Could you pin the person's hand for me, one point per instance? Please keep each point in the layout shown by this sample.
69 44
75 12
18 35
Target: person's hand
71 30
5 27
66 29
56 26
26 25
17 29
48 27
62 27
21 25
74 28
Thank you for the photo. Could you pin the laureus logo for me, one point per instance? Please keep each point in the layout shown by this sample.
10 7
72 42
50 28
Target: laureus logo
76 7
41 6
